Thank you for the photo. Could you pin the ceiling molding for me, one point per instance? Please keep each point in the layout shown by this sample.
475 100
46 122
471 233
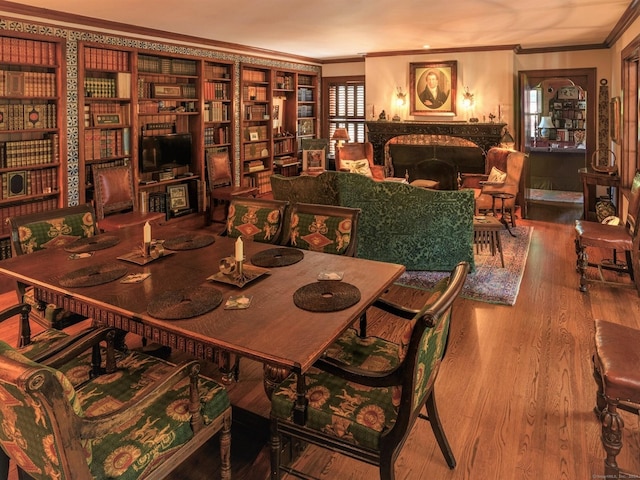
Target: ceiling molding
567 48
429 51
627 18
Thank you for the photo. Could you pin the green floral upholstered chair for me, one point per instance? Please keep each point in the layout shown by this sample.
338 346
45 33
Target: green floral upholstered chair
324 228
139 421
52 228
256 219
365 394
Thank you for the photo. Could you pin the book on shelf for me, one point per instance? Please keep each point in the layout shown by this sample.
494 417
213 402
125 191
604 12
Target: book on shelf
286 160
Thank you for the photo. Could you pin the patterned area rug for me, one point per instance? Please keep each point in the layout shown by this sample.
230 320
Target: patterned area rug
561 196
490 282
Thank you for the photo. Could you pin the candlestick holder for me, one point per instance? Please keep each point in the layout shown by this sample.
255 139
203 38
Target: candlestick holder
239 274
146 249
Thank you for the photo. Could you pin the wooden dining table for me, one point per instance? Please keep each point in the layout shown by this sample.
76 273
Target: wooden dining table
272 330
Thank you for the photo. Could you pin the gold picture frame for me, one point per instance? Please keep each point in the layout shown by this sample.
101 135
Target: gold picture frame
433 88
163 90
614 120
100 119
178 197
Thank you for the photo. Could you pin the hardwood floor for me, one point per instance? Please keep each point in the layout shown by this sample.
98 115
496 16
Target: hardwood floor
515 391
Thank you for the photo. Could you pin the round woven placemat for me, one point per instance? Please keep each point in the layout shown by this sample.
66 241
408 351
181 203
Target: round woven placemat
90 244
187 303
188 241
326 296
277 257
93 275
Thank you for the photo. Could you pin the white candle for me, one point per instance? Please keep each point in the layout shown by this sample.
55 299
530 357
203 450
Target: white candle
239 250
147 233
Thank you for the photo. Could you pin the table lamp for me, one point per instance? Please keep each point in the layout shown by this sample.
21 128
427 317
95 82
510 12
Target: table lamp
340 136
545 125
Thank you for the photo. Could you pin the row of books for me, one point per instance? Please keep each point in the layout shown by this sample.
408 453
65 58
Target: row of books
99 144
5 248
216 91
285 160
305 111
33 52
111 87
172 66
256 150
254 75
24 209
260 180
28 84
216 71
305 95
284 82
253 93
33 182
216 112
22 153
28 116
216 136
104 59
257 132
283 145
256 112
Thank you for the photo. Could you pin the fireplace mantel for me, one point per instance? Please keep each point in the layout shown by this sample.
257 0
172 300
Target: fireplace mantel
485 135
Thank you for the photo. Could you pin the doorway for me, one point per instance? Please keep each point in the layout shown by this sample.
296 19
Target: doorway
557 128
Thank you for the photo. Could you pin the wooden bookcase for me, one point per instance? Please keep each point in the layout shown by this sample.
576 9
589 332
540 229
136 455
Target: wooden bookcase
105 125
256 132
307 107
31 116
569 118
284 123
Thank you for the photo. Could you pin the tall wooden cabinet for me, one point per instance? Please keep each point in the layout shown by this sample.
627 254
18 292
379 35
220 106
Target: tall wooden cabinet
31 161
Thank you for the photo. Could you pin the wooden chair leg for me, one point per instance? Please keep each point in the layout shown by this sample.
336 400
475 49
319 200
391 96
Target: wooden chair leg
275 444
612 427
583 264
438 431
225 449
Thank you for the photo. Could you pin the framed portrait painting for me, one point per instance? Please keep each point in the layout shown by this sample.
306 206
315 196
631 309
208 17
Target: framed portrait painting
433 88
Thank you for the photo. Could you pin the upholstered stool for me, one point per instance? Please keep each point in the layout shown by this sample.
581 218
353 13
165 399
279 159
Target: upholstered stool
615 362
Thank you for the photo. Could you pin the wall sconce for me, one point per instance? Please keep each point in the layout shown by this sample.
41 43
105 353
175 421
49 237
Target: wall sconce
401 98
340 135
467 98
545 125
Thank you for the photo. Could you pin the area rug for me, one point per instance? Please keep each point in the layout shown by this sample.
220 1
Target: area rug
489 282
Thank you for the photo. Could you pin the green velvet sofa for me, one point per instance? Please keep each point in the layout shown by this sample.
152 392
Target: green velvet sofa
419 228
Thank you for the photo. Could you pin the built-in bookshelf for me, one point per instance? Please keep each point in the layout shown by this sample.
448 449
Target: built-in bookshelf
307 106
285 150
30 120
105 128
256 127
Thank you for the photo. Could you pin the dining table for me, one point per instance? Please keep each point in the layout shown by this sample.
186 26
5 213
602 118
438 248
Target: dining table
186 292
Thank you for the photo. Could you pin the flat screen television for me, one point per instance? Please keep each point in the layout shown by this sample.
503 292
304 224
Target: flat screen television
163 152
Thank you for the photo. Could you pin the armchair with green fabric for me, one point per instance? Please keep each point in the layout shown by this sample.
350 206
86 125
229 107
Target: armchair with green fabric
365 395
140 419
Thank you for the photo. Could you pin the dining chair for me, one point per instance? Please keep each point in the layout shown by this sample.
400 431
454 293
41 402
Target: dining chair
350 154
503 173
323 228
35 231
220 183
115 200
615 363
613 238
365 396
256 219
140 421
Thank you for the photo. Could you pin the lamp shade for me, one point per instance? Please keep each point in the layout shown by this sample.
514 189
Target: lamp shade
507 140
340 134
545 122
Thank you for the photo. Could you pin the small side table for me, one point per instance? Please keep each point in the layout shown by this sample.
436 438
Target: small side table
502 196
486 231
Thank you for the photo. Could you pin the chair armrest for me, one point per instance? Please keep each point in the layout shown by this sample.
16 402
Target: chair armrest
66 349
369 378
395 308
99 425
472 180
377 171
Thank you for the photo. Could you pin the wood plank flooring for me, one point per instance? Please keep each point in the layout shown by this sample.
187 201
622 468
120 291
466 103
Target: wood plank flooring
515 391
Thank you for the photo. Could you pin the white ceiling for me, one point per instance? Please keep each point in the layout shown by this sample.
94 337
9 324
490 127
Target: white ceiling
325 29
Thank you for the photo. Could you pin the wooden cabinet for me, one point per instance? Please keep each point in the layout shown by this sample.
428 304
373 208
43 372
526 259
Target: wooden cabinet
106 99
256 127
31 115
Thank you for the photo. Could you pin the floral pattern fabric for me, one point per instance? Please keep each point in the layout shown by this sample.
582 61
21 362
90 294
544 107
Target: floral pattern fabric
52 232
127 452
357 413
254 222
